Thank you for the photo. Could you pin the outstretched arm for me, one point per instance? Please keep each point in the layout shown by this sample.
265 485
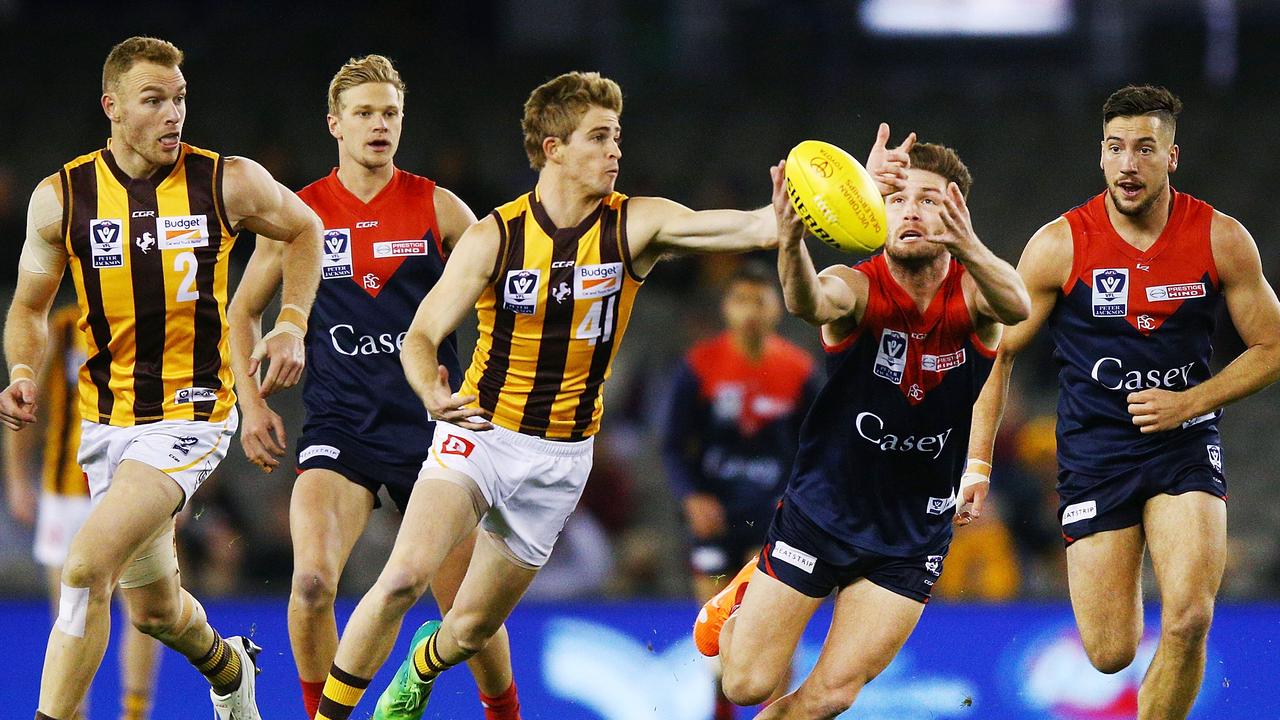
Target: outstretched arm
464 278
992 287
256 202
262 434
1255 313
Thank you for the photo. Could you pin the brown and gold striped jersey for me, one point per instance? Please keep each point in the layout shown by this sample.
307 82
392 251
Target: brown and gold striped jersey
149 260
552 319
59 410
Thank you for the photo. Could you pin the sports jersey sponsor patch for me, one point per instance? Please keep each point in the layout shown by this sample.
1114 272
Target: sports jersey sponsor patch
106 243
1183 291
933 563
792 556
1079 511
597 281
1215 456
942 363
455 445
182 231
194 394
891 356
400 248
311 451
336 261
1110 292
520 291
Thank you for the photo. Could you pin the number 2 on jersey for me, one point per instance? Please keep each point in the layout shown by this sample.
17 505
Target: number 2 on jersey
187 262
591 329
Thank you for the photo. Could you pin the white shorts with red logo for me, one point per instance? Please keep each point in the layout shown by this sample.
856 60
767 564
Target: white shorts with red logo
531 485
57 521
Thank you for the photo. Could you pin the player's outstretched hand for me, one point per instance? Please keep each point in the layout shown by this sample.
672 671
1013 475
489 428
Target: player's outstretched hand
262 435
973 495
286 355
18 404
790 229
1156 410
444 405
888 167
957 235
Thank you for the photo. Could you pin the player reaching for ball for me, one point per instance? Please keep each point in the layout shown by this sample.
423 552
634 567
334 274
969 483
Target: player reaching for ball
910 337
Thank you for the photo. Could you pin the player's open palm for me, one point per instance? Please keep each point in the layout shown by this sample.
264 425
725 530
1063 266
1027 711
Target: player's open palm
888 166
18 404
957 234
444 405
286 356
262 435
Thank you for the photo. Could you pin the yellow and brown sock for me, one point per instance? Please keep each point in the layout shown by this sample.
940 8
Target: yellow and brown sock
427 661
220 666
136 705
342 691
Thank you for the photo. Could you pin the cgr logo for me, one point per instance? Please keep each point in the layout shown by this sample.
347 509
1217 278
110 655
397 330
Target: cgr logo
455 445
366 224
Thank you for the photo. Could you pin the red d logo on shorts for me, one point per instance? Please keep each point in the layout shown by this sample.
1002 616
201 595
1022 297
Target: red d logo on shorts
454 445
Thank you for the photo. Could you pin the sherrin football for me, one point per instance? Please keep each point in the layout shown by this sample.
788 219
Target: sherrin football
835 197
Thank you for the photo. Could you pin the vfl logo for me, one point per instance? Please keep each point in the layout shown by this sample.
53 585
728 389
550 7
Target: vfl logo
561 292
1110 292
891 356
454 445
336 261
933 563
520 291
1215 456
105 243
185 443
937 506
821 166
145 243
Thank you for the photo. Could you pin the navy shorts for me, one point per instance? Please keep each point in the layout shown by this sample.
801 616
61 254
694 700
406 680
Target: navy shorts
811 561
725 553
1089 504
328 450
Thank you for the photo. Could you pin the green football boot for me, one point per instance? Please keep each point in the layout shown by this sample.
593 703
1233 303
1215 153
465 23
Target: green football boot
406 697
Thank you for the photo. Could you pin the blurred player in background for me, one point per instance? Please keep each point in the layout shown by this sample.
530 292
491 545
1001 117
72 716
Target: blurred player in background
552 276
732 431
387 235
146 225
64 502
910 337
1130 284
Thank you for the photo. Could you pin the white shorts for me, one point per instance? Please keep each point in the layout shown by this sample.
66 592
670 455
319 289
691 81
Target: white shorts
57 521
529 484
186 450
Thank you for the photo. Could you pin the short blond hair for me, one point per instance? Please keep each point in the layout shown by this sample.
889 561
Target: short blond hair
358 71
134 50
555 108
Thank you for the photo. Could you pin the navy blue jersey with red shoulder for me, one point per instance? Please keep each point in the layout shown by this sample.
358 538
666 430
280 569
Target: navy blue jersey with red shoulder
380 259
1129 320
733 424
883 447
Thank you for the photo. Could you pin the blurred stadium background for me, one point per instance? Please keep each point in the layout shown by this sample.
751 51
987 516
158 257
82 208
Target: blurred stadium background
716 91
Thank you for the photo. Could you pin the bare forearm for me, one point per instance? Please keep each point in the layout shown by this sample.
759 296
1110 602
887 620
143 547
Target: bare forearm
26 334
246 330
801 288
988 410
419 356
301 270
1000 285
1254 369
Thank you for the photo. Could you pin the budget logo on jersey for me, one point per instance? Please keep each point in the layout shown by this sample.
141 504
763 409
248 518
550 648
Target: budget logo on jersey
399 248
1110 292
106 243
336 261
183 231
520 291
597 281
1182 291
891 356
942 363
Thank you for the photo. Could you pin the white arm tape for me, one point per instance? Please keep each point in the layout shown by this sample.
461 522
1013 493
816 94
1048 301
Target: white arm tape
38 255
969 479
281 328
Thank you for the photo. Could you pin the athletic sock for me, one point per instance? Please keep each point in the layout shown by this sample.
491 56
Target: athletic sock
503 706
342 691
427 662
220 666
136 705
311 692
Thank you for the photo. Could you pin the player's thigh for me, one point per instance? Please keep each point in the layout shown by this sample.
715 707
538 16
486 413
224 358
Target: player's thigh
767 627
137 505
1187 535
442 511
327 514
445 584
493 584
1104 572
868 628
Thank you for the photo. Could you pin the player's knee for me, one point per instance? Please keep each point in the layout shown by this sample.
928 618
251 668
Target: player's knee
156 619
1187 624
401 588
748 685
1112 657
314 590
472 631
81 572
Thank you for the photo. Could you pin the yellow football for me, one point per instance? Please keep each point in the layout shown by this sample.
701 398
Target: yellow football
835 197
